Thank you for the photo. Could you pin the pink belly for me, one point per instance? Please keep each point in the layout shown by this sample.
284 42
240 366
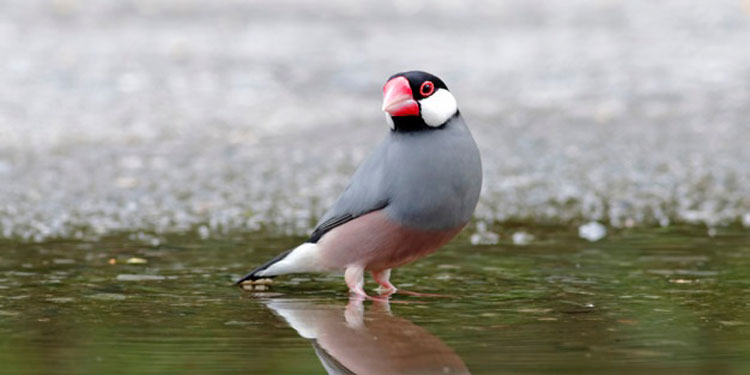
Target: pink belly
377 243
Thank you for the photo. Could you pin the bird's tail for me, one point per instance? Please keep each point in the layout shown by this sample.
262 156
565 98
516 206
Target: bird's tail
300 259
254 274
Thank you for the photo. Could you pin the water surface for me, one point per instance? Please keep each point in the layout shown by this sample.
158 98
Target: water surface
245 114
672 300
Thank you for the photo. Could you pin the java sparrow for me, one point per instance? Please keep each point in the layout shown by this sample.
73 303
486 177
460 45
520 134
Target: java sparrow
414 192
355 341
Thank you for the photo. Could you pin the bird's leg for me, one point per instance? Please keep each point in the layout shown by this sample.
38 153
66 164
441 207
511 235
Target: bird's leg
355 280
386 288
354 312
383 279
354 276
381 306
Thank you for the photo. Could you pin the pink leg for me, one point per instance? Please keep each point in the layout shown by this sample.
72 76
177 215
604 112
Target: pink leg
354 276
387 289
354 313
383 279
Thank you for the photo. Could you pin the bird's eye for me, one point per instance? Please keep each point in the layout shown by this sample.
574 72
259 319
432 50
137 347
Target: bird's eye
427 88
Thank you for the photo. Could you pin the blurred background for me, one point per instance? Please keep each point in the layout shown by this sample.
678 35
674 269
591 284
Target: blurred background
153 151
159 116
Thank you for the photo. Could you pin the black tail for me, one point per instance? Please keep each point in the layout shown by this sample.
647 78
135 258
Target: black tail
253 275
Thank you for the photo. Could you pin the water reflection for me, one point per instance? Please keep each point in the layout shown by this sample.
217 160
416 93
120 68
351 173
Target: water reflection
350 340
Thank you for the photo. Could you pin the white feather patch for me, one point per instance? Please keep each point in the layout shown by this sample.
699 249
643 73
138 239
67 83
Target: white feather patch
304 258
438 108
298 317
389 120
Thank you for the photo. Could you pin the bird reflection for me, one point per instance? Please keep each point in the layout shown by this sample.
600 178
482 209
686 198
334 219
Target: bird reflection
351 340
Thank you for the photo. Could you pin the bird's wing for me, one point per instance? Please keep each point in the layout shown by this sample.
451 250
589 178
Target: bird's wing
366 192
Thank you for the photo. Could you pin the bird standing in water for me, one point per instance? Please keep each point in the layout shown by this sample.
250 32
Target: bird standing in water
413 193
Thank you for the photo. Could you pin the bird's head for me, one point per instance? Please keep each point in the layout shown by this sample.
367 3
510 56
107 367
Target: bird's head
417 100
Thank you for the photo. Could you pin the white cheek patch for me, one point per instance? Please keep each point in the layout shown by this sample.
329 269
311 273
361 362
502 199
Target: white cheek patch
389 120
438 108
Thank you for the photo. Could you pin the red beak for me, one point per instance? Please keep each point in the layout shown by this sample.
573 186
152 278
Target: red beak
398 99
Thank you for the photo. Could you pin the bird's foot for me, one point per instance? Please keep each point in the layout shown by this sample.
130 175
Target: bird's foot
383 279
360 295
386 290
354 276
354 312
354 280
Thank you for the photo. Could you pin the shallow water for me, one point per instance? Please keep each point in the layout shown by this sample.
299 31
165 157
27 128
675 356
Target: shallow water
672 300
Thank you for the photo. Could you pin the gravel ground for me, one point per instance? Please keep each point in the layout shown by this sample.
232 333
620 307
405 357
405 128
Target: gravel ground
159 116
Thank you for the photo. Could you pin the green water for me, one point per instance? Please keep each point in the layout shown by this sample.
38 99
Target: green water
672 300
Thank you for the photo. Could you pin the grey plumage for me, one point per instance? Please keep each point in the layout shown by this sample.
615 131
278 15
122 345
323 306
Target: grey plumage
426 180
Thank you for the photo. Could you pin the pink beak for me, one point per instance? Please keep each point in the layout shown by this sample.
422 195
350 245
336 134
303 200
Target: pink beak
398 99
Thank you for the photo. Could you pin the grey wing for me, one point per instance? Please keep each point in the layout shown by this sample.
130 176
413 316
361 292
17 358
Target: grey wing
366 192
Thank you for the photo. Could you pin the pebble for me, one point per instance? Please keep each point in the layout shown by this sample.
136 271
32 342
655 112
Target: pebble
131 277
592 231
108 296
522 238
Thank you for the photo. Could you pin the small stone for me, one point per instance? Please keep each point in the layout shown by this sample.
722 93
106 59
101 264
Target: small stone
238 323
61 299
746 220
484 236
266 281
255 287
732 323
448 266
531 310
522 238
131 277
204 232
108 296
592 231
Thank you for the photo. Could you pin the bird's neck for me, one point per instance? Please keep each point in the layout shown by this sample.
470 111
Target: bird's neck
409 124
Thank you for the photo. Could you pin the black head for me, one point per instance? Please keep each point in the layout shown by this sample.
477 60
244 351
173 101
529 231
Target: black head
417 100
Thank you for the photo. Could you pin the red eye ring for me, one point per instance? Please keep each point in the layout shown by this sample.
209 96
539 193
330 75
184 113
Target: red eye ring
427 88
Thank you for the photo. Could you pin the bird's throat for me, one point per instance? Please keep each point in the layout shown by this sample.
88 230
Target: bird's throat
408 124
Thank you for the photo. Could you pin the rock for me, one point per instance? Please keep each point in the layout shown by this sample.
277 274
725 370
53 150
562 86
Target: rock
592 231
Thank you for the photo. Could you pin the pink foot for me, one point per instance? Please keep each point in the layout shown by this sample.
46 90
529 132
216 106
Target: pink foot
383 279
354 276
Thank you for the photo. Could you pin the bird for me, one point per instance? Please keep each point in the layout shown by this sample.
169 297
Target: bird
412 194
351 340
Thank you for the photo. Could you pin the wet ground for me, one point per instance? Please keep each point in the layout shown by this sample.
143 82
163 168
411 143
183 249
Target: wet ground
666 301
166 115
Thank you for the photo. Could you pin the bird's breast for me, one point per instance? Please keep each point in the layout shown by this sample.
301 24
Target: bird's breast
435 179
